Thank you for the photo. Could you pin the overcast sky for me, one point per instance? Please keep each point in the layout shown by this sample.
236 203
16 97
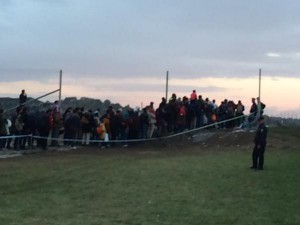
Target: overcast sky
145 38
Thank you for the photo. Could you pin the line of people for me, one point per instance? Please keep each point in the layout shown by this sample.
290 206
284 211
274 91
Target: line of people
80 126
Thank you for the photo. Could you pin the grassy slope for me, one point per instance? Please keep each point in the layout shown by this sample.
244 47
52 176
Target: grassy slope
197 187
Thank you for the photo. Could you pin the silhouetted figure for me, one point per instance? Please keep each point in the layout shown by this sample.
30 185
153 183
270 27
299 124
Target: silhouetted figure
23 97
260 145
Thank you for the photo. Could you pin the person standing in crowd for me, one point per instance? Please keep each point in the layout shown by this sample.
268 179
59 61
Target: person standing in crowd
87 128
152 120
199 111
3 132
260 145
163 116
144 121
260 107
25 129
172 112
193 97
56 106
73 128
239 113
253 111
181 117
43 126
22 97
8 132
17 127
57 123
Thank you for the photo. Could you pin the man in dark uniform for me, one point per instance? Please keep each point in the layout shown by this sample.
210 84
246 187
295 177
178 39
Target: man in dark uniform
260 145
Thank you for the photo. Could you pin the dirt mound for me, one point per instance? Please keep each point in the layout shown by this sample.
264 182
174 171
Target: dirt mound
205 138
227 139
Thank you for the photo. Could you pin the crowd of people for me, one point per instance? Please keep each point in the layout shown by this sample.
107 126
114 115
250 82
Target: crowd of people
86 127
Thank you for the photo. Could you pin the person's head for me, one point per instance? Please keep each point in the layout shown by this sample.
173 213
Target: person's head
96 113
253 100
69 109
49 111
23 91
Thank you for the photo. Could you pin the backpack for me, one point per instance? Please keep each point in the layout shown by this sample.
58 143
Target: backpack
84 120
182 111
240 109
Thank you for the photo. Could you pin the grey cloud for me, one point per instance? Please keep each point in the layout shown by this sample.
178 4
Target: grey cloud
50 2
123 87
5 3
34 74
146 38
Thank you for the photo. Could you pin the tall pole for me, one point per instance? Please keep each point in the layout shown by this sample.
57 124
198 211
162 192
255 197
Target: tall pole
259 85
60 81
167 85
259 100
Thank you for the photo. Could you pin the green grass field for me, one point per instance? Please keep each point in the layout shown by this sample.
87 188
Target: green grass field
162 187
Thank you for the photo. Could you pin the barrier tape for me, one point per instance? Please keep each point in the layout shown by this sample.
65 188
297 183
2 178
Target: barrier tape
15 136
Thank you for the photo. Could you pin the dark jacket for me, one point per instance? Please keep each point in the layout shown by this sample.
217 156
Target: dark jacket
261 135
3 123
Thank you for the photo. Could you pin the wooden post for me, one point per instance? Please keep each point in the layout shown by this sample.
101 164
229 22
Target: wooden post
259 85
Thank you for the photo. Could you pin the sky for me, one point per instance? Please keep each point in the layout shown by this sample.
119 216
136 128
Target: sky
121 49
